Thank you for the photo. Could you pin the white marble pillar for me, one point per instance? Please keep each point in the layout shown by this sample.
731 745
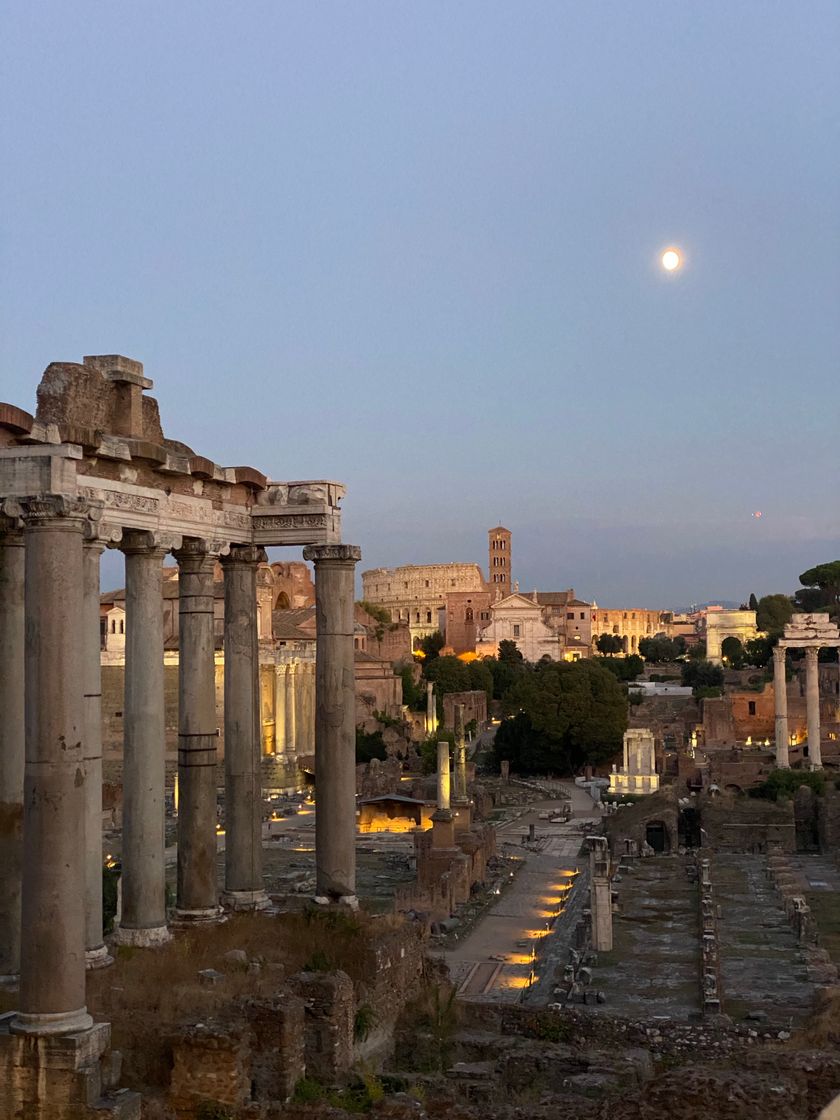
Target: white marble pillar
52 972
335 722
12 745
96 954
279 709
431 712
197 898
243 733
143 912
812 706
291 729
780 695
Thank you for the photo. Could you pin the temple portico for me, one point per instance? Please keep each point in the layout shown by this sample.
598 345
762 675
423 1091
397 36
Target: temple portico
810 632
92 470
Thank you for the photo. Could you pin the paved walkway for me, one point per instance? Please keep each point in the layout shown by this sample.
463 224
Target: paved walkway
496 961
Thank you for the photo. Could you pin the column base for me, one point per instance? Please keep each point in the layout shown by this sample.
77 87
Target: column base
351 901
151 938
186 919
782 760
63 1077
245 900
97 958
63 1022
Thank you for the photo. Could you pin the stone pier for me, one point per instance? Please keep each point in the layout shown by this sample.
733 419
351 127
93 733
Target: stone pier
600 894
244 888
197 894
12 741
335 722
780 695
143 916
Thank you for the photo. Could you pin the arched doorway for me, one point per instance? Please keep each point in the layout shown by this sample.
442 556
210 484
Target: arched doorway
656 836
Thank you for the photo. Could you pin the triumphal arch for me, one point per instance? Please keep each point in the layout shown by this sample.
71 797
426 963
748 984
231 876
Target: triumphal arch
92 469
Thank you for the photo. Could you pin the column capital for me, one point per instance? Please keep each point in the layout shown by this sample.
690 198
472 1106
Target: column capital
779 653
199 549
38 510
138 542
244 554
340 553
812 653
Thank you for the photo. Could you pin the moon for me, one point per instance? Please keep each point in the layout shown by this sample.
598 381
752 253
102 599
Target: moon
671 260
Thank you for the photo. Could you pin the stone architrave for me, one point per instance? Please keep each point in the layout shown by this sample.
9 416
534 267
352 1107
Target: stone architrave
52 972
96 954
143 914
244 888
12 744
197 898
780 697
335 722
812 706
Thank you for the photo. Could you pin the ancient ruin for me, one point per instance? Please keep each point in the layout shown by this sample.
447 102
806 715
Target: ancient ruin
811 632
92 469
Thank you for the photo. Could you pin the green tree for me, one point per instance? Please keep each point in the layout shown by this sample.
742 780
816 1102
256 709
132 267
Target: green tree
449 674
428 749
622 668
504 673
660 648
753 603
431 645
702 675
510 653
697 652
773 613
414 696
481 678
609 644
821 588
369 744
562 716
758 651
733 651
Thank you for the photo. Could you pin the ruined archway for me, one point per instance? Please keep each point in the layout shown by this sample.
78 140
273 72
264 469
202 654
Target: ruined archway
656 836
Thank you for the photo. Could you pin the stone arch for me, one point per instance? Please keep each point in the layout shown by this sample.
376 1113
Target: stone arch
281 603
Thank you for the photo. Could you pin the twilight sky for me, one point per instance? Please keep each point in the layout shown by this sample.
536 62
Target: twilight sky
413 245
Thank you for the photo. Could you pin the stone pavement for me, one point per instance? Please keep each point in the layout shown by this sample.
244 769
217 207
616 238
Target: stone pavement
512 932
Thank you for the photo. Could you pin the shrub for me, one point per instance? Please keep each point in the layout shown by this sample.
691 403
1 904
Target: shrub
364 1022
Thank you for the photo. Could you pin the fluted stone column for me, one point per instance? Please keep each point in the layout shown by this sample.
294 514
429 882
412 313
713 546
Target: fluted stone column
780 695
197 897
143 914
96 955
12 746
243 733
291 729
335 722
52 972
443 819
279 709
812 706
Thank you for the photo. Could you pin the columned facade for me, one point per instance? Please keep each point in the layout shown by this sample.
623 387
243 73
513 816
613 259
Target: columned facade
12 742
143 919
811 633
243 789
335 722
197 894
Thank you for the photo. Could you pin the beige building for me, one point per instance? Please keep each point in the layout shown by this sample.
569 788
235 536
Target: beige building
629 625
416 593
519 619
727 624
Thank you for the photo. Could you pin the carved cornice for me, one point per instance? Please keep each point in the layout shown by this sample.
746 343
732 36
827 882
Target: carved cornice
342 553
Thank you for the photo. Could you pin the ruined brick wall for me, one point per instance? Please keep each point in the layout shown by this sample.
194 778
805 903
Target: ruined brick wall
739 824
393 970
330 1009
738 770
631 821
670 718
211 1063
475 707
278 1056
828 821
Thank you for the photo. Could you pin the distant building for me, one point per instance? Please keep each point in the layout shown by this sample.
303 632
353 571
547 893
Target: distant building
628 625
724 624
499 567
519 619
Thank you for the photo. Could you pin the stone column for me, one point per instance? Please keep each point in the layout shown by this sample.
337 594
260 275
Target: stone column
780 695
279 709
335 722
310 706
143 913
12 746
600 895
197 896
443 819
812 705
52 972
460 755
291 729
96 955
243 733
431 713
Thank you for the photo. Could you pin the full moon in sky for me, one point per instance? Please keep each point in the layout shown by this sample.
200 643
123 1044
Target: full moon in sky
671 260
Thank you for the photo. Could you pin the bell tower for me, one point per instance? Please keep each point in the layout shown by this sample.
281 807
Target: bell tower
499 578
